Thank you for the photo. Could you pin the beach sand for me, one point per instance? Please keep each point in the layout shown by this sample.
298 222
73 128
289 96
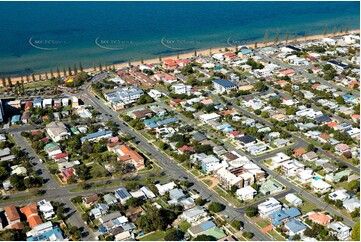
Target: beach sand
205 52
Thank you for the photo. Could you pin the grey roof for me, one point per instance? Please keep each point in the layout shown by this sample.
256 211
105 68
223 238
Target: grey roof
110 216
246 139
193 212
224 83
122 193
199 136
176 193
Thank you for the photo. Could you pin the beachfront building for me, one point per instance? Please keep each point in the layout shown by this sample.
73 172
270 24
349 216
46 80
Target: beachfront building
221 86
271 205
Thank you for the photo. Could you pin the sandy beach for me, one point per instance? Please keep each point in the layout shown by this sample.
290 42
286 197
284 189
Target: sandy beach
203 52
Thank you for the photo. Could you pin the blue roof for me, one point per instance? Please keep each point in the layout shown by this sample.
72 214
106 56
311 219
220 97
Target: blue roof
122 193
15 118
207 225
102 229
38 100
224 83
295 226
95 135
45 236
153 123
246 51
277 217
292 212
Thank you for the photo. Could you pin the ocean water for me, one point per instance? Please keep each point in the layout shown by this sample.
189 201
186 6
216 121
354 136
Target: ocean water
37 36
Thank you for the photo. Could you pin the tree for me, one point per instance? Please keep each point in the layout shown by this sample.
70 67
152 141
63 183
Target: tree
216 207
173 235
133 202
340 100
296 237
200 202
80 67
287 37
260 86
277 37
355 235
4 173
237 224
266 36
3 81
354 186
75 69
310 147
247 235
9 82
310 233
251 211
204 237
234 188
257 111
69 71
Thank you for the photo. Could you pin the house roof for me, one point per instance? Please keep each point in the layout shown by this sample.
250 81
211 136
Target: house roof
320 218
224 83
11 213
34 221
295 226
299 152
61 155
246 139
126 150
29 210
91 199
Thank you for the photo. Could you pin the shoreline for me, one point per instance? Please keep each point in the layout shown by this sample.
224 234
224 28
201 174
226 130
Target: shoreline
205 52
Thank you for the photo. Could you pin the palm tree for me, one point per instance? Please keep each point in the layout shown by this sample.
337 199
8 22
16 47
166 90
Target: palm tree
3 79
33 77
100 66
27 78
334 31
51 73
64 71
160 58
58 71
69 70
266 36
75 69
9 81
46 76
325 31
277 37
80 67
141 60
195 52
341 30
346 30
287 37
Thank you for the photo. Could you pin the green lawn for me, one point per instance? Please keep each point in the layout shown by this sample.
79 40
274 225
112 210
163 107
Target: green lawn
161 202
155 236
226 196
207 182
16 199
276 236
263 223
38 84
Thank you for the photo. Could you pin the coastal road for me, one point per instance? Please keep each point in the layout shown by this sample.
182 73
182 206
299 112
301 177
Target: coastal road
172 169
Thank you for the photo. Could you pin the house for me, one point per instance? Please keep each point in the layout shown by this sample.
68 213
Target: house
162 189
335 178
246 140
55 234
319 186
194 214
62 157
182 89
15 119
176 195
90 200
292 167
299 152
99 210
122 195
246 193
57 131
46 209
141 114
281 216
206 118
12 215
320 218
147 192
310 156
340 194
281 142
110 199
94 137
271 186
340 230
279 158
351 204
305 176
269 206
186 148
32 216
256 149
38 103
47 103
25 117
40 229
200 228
210 163
222 86
207 228
67 174
293 199
341 148
295 227
126 154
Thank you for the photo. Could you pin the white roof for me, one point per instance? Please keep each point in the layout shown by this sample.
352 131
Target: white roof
246 190
209 116
320 184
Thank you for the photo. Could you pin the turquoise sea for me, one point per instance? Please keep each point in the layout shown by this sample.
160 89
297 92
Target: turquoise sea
37 36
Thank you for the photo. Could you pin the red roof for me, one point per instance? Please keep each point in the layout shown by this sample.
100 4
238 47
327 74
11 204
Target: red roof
28 104
186 148
356 116
177 100
67 173
61 155
170 62
288 72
